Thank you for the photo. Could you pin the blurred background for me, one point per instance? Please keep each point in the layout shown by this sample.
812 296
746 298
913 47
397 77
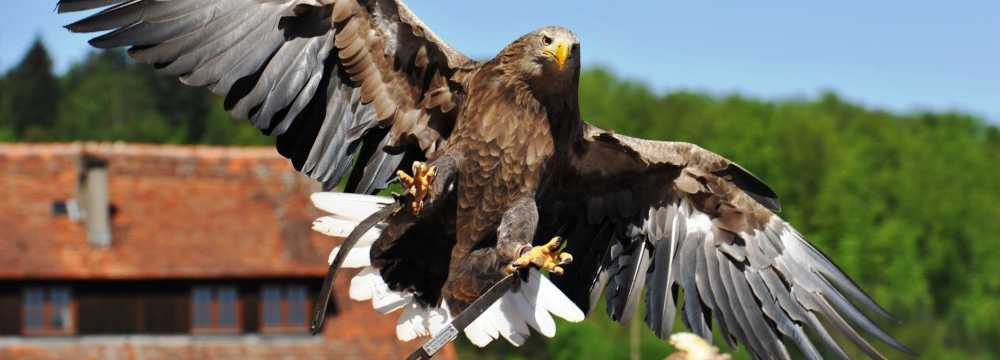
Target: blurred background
876 123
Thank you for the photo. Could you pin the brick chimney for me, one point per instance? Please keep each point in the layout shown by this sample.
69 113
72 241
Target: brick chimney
94 203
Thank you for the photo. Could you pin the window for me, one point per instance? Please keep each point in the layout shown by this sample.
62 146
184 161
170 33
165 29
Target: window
284 308
215 309
48 311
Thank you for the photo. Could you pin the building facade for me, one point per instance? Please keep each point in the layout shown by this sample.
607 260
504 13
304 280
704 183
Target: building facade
124 251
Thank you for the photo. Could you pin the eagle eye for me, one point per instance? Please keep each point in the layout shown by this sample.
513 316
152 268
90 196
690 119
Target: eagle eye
547 40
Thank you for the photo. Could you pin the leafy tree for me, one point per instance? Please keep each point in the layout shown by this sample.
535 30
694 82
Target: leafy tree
182 106
31 94
6 126
106 101
109 97
222 129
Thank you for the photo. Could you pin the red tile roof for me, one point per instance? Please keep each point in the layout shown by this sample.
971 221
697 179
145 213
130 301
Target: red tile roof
181 212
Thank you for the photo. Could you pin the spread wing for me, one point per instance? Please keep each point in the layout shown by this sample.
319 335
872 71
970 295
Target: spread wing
680 221
329 79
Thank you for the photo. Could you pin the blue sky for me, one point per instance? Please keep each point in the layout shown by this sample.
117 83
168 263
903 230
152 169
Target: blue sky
894 54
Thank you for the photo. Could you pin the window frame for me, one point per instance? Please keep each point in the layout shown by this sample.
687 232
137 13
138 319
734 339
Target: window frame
284 326
215 311
47 328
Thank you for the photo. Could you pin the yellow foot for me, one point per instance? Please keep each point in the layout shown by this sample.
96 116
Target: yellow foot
545 257
419 184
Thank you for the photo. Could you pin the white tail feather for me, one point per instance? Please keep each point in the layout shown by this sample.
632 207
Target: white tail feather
388 301
542 320
348 210
520 306
349 206
478 331
556 302
482 331
363 284
368 285
340 227
439 317
529 312
356 258
511 317
417 321
413 322
510 323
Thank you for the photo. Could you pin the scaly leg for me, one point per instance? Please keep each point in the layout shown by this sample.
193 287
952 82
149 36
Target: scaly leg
514 240
547 257
473 270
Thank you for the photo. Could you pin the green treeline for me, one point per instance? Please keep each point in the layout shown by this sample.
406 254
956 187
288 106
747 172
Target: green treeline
907 204
109 97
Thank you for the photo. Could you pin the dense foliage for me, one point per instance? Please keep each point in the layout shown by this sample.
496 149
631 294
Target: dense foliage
31 106
906 203
108 97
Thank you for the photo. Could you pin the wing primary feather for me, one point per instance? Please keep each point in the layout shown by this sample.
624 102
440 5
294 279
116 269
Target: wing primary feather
122 14
616 259
800 298
330 142
721 295
694 315
660 302
762 330
831 295
594 277
834 274
636 278
820 305
784 324
141 34
660 306
212 62
796 311
705 292
379 164
754 344
813 258
65 6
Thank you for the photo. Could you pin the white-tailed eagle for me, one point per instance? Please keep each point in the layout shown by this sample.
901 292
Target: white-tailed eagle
502 161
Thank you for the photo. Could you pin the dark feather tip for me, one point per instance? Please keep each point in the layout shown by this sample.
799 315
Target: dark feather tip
753 186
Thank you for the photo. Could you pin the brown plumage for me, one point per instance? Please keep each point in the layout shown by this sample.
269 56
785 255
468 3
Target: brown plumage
343 82
505 141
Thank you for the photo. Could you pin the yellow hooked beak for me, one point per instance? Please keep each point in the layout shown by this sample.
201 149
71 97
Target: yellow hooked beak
560 53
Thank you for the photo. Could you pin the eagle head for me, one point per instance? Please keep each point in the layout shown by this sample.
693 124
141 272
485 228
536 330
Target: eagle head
548 59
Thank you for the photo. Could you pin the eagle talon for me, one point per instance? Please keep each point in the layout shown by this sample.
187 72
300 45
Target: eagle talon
546 257
418 185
